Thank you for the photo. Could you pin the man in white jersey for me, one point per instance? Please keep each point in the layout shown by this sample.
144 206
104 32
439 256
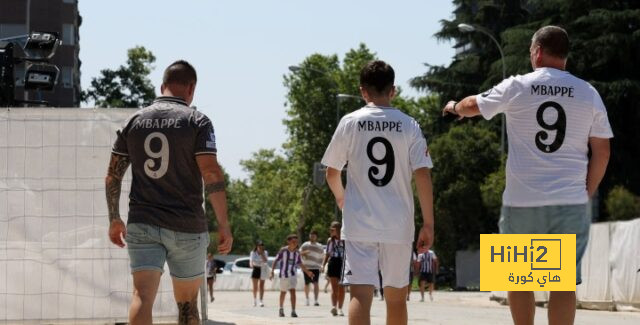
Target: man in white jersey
383 147
553 119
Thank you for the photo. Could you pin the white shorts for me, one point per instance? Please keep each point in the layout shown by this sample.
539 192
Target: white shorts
289 283
363 260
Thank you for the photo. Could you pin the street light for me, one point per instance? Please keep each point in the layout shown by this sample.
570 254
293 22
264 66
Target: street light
467 28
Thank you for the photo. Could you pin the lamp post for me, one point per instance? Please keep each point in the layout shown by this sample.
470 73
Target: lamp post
467 28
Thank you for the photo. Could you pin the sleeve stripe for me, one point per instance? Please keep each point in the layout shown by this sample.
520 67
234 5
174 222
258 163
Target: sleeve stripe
119 153
206 153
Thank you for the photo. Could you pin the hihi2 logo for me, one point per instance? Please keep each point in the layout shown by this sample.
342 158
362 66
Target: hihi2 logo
527 262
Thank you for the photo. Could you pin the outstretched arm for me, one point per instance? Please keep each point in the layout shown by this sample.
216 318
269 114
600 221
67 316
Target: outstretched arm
113 184
468 107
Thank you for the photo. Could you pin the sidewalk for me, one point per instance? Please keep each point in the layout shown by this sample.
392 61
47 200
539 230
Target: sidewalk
234 307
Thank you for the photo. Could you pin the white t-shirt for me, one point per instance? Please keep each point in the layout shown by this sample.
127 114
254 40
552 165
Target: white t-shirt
382 146
256 259
550 117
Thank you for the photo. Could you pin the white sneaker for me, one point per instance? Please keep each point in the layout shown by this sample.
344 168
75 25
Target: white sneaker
340 313
307 302
255 303
261 304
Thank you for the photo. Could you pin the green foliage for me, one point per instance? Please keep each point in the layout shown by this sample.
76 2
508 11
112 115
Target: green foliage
461 159
313 114
605 38
492 189
622 204
128 86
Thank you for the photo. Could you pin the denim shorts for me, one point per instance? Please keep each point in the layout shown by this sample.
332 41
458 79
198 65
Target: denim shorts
150 246
552 219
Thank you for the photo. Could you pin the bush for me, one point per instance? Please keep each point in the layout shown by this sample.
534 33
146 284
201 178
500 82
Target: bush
621 204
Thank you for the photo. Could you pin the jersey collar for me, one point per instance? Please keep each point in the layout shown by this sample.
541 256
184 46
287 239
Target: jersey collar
171 99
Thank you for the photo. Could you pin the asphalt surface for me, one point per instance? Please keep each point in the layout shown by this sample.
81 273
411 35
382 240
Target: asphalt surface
236 307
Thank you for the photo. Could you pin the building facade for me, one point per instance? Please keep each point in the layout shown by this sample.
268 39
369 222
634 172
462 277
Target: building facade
19 17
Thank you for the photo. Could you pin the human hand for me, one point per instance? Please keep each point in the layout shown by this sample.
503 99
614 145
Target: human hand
225 240
117 232
450 108
425 239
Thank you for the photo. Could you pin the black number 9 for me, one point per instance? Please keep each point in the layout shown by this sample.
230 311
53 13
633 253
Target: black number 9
560 126
388 159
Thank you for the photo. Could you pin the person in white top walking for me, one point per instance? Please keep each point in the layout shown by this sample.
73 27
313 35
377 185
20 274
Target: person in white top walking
312 254
553 120
384 147
260 271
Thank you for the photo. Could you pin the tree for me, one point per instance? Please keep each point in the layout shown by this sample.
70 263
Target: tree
461 159
312 120
128 86
622 204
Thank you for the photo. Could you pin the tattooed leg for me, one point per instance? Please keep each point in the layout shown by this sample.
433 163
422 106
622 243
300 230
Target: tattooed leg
188 312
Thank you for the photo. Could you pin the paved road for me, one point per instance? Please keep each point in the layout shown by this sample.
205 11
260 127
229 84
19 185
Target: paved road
232 307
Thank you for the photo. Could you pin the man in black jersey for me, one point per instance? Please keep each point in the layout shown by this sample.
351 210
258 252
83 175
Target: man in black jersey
171 149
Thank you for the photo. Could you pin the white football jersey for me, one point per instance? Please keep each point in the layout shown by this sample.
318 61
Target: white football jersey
550 117
382 146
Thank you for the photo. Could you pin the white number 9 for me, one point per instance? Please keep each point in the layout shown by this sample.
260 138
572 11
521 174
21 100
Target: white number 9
163 154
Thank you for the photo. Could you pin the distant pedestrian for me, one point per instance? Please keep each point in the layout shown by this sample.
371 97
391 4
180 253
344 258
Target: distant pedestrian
211 274
428 262
260 270
413 267
312 254
335 257
288 260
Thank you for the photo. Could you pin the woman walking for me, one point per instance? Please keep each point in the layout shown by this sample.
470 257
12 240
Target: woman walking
258 262
334 256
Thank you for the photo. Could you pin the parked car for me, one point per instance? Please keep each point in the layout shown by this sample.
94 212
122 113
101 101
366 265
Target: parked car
241 265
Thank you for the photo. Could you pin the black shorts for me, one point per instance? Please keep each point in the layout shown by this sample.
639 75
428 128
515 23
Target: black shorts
255 274
426 276
335 267
316 275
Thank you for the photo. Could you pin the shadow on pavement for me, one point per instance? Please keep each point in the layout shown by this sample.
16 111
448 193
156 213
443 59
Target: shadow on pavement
212 322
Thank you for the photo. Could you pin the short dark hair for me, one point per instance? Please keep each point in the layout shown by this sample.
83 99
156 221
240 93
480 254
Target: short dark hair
313 232
553 40
180 72
377 76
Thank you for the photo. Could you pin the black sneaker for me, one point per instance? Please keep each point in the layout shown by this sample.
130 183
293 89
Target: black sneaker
293 314
281 312
316 304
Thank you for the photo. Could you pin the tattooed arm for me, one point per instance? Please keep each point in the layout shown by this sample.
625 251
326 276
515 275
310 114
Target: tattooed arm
214 187
113 182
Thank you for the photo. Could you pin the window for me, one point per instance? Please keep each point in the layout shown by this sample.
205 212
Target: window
68 34
18 73
67 77
11 30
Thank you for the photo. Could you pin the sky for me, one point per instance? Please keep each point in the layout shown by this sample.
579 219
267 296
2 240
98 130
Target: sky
241 50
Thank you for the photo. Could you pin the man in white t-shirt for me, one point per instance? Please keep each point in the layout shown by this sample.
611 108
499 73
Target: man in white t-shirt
553 119
384 147
312 254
